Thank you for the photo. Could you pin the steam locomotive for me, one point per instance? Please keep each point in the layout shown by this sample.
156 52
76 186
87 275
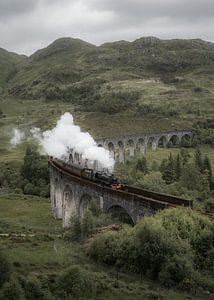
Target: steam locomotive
100 177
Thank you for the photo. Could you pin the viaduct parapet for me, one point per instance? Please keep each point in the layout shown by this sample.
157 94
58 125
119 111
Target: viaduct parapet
140 143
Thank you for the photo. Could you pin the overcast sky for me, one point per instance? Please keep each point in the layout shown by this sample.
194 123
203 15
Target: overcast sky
27 25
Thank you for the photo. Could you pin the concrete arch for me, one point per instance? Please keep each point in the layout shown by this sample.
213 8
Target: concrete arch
120 213
131 146
111 148
152 143
122 155
185 140
99 145
174 140
162 142
141 146
187 134
84 203
68 205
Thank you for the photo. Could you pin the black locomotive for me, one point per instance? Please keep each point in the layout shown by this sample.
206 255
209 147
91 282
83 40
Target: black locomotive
100 177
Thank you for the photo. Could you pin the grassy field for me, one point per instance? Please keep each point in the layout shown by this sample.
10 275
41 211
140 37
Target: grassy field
27 214
45 254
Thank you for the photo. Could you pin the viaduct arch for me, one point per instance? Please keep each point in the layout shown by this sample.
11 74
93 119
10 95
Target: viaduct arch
141 142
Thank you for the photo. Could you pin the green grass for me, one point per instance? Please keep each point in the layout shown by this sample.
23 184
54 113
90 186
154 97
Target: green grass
27 214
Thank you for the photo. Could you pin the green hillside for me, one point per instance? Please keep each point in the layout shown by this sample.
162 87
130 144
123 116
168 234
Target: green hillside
159 84
147 75
8 66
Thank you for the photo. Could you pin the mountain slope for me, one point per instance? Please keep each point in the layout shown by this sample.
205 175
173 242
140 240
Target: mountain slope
120 74
8 66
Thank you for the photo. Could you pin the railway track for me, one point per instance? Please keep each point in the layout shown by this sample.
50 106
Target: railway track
152 198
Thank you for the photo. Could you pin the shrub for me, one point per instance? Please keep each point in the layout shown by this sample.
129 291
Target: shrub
103 247
32 288
5 268
142 165
153 181
153 245
12 290
176 270
74 231
209 205
87 224
71 284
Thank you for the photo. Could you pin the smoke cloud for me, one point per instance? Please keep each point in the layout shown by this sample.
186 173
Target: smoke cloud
66 136
18 137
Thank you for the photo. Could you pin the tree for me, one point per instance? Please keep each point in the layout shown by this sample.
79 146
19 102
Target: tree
142 165
87 224
5 268
190 177
154 166
178 168
153 181
198 160
207 166
168 171
32 288
35 173
176 270
184 156
70 283
74 231
12 290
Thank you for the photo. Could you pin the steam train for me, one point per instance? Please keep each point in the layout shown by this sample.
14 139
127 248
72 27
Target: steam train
100 177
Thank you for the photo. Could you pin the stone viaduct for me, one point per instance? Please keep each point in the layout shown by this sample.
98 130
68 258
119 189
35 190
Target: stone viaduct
71 195
141 142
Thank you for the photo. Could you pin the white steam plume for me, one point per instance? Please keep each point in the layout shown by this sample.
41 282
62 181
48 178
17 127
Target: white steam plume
65 136
17 137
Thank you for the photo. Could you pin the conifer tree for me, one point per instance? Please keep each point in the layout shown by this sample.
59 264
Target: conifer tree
168 173
207 167
184 156
199 160
178 168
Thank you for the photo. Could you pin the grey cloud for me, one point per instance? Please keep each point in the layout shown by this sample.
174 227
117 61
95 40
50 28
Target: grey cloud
26 25
146 9
11 8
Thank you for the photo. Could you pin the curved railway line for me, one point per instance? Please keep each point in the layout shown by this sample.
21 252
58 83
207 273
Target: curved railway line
159 200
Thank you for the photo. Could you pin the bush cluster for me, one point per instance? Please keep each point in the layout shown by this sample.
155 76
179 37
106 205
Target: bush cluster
32 178
170 247
72 283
